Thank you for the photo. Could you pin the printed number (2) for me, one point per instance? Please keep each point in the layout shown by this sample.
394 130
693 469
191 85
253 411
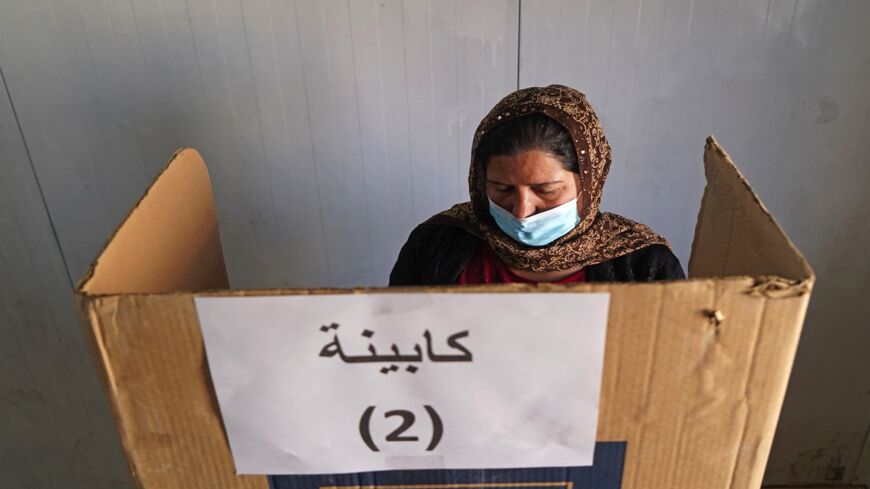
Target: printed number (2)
407 421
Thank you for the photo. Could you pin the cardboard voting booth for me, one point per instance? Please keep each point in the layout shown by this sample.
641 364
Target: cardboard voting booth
694 371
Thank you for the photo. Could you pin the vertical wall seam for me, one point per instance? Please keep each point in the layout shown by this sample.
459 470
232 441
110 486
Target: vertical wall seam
362 156
36 179
519 37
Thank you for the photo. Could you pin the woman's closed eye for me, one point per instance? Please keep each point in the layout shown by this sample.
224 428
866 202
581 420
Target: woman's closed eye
503 189
549 191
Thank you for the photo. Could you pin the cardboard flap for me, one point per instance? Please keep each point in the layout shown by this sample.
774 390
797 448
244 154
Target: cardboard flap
169 241
736 235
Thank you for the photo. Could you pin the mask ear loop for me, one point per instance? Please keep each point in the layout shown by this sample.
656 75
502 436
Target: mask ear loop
581 206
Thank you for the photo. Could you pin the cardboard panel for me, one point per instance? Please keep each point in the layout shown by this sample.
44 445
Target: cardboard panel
169 241
156 376
696 402
735 234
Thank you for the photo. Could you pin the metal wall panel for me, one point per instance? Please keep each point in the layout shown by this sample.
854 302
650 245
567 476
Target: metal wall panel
306 112
55 429
330 129
784 86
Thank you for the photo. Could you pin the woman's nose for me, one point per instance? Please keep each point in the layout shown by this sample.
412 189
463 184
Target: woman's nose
524 206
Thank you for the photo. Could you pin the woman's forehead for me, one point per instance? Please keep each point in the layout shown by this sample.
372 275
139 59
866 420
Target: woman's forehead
531 167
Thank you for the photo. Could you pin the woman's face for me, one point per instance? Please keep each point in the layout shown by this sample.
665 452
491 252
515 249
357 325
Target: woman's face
529 183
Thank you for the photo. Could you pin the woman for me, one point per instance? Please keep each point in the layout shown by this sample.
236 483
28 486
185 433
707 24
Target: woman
538 164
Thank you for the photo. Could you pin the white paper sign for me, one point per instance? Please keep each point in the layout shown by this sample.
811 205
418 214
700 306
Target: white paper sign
350 383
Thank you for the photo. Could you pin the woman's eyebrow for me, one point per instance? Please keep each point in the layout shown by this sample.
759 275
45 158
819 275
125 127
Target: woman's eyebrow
496 182
541 184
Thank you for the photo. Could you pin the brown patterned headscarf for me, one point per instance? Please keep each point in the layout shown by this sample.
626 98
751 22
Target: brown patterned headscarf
598 237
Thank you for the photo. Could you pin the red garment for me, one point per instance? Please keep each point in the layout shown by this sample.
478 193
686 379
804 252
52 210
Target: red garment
486 268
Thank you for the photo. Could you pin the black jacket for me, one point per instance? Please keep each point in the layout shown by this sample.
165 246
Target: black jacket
436 254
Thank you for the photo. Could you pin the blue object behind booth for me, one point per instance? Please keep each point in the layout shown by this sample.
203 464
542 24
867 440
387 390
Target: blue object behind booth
605 473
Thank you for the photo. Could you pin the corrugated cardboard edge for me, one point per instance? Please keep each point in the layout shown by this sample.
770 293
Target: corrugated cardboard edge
169 241
718 165
89 273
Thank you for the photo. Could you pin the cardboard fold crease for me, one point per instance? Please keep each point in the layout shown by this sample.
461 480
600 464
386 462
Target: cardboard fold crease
695 371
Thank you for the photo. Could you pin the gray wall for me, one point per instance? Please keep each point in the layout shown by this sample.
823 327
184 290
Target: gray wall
332 128
785 87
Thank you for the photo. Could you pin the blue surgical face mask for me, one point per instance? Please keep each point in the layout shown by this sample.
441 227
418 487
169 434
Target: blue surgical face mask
539 229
